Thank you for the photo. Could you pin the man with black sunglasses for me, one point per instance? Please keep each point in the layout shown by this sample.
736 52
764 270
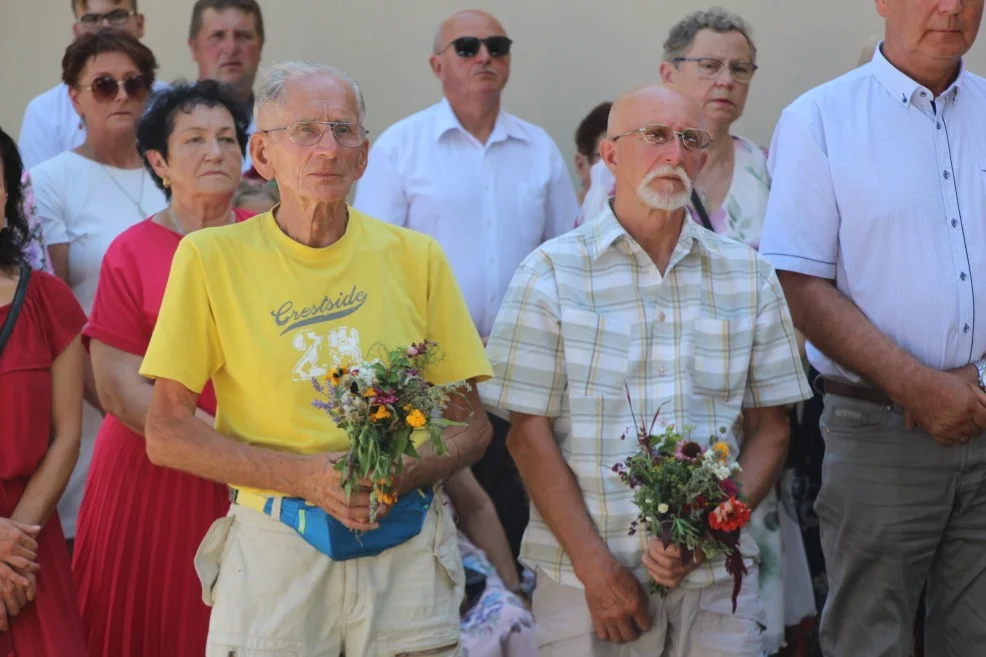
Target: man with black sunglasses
487 185
51 125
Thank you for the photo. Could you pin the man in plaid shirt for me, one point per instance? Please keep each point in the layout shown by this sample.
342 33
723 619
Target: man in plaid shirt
640 298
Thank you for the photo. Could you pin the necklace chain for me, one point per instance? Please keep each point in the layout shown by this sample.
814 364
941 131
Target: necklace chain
140 196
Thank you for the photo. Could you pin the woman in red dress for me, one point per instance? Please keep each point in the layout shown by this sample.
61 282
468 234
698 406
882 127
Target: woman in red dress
140 525
40 428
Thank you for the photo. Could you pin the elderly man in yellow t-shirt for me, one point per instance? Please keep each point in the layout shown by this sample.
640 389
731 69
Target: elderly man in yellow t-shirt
263 307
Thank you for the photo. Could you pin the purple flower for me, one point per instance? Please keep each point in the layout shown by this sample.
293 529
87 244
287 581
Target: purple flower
687 450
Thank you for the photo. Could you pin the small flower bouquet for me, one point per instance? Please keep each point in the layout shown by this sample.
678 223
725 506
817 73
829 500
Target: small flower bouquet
687 496
380 406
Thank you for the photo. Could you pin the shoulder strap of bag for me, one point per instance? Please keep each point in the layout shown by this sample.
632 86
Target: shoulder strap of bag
15 309
700 209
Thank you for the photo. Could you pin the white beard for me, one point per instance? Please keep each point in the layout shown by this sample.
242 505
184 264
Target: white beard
661 200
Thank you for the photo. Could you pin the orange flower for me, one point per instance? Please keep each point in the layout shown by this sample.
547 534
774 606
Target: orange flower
380 414
416 419
730 515
722 451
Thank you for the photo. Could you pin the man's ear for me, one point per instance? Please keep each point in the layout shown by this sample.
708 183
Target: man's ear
260 157
607 153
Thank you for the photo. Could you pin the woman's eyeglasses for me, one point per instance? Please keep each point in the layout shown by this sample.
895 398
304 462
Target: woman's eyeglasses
106 88
710 68
467 46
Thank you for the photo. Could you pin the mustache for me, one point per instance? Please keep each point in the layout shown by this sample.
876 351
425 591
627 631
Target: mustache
668 171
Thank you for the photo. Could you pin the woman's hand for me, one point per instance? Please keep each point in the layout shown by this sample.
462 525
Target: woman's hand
18 544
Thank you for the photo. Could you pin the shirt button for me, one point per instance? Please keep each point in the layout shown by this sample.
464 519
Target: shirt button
661 316
955 222
962 276
662 371
946 174
965 329
923 94
939 125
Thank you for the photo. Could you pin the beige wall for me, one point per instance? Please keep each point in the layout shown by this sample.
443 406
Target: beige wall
569 54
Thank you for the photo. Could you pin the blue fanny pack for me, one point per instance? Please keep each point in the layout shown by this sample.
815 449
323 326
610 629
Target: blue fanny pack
338 542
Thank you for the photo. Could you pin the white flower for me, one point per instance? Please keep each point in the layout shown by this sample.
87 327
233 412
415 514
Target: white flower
662 508
721 471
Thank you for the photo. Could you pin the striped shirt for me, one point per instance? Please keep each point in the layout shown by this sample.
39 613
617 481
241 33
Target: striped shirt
881 187
589 317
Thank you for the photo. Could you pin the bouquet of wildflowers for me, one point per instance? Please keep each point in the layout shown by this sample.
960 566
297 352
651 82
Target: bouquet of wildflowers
687 495
382 406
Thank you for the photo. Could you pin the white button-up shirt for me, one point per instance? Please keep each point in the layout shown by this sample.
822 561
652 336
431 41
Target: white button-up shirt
52 126
488 205
881 186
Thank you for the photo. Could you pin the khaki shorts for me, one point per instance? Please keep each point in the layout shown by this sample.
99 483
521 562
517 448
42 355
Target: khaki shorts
689 622
272 594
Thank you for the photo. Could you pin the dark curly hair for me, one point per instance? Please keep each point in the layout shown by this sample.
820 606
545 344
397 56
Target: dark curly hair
14 237
158 122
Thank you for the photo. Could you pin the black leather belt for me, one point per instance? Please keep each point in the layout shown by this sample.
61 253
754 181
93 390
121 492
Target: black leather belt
857 392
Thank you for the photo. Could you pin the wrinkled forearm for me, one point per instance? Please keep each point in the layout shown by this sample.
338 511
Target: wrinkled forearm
764 453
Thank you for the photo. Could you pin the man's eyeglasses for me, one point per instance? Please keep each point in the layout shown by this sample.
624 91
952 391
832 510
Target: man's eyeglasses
710 68
105 88
467 46
309 133
115 18
692 139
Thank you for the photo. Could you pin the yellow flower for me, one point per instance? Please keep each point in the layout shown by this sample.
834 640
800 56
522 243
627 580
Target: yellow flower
336 374
369 392
381 413
722 451
416 419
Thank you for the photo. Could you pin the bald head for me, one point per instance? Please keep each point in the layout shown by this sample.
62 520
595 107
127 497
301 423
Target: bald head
464 23
648 104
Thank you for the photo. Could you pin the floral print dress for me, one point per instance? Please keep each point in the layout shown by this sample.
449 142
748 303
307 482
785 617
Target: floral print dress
35 252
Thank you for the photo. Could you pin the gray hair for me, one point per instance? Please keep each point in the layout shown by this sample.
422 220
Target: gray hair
682 35
270 90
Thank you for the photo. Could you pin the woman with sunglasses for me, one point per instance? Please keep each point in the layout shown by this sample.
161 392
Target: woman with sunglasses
88 196
40 418
140 525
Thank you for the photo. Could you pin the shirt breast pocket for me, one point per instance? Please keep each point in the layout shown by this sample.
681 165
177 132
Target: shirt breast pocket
597 353
529 211
721 356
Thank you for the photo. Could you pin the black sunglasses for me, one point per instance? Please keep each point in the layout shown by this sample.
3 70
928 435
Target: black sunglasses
467 46
105 88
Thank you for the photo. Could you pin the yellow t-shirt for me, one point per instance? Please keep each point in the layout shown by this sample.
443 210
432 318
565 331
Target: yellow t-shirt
262 315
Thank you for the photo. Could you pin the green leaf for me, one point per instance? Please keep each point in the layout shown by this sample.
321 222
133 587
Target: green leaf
412 451
400 442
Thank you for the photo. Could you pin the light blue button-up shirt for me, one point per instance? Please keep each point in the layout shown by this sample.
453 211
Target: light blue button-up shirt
881 186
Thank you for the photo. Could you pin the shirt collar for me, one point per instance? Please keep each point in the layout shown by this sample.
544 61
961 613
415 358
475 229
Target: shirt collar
506 126
606 230
900 86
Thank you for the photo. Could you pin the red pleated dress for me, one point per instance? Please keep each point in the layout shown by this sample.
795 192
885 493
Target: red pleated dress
140 524
50 319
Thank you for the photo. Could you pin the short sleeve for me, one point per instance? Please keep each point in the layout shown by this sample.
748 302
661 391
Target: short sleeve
117 318
185 345
801 226
380 191
35 251
525 348
776 376
562 203
64 313
450 325
50 203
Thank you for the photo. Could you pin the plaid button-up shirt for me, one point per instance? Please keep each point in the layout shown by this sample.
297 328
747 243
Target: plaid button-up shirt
588 315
